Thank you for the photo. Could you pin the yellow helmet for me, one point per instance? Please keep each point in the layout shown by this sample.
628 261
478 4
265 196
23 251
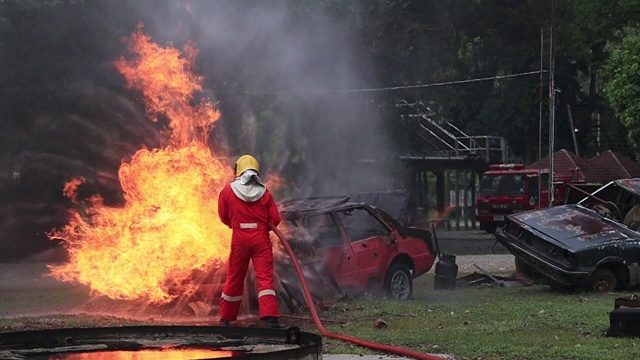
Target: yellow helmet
246 162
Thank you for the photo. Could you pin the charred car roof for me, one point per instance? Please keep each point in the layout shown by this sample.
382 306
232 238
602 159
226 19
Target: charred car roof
631 185
573 226
295 208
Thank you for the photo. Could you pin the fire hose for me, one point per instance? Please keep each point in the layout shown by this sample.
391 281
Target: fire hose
324 332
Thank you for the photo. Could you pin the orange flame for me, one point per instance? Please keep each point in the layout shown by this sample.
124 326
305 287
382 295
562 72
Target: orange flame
71 188
274 182
168 227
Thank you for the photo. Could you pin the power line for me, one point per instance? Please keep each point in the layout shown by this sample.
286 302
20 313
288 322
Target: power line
443 83
393 88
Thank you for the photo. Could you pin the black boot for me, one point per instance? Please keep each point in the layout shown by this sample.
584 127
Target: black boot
272 322
224 323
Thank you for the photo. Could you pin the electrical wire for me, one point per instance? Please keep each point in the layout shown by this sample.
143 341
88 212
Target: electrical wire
390 88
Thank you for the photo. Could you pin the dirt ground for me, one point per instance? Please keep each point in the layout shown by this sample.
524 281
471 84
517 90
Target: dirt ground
469 242
475 248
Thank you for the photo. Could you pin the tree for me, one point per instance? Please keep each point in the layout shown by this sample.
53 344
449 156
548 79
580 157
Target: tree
585 27
623 87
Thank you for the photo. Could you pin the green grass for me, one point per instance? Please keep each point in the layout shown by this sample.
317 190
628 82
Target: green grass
469 323
489 323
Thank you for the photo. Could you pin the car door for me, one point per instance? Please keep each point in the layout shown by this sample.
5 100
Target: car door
367 237
331 245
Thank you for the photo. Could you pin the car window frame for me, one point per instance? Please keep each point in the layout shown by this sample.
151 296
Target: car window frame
336 222
371 212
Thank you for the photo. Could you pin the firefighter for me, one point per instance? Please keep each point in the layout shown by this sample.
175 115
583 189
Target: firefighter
247 207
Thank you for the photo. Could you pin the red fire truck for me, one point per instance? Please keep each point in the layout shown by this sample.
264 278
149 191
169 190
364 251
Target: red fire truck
509 188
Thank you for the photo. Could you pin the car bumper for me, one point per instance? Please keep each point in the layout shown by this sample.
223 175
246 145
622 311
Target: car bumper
540 263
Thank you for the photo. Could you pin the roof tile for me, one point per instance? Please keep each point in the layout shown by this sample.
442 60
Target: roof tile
622 166
566 162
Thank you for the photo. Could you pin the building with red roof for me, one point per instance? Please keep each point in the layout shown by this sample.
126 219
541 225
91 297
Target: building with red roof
617 164
568 165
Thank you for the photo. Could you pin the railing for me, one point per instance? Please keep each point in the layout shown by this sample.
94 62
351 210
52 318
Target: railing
572 176
446 139
492 149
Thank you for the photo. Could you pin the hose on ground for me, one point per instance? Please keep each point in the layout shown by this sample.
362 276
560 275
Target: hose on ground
324 332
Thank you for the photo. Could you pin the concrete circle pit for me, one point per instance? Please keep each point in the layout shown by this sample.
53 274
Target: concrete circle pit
166 342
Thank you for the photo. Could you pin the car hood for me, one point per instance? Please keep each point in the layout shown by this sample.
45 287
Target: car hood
574 226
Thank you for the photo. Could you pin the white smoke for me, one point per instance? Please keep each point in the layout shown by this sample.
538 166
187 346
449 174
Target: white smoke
296 56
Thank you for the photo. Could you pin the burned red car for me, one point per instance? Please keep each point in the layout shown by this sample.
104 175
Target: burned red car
344 248
584 246
353 248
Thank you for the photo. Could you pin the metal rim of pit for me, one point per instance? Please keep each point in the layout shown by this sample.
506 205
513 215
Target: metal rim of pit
308 345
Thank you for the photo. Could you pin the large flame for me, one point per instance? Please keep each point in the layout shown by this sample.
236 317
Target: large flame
168 227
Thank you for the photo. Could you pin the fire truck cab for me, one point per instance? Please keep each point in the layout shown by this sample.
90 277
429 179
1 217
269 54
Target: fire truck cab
509 188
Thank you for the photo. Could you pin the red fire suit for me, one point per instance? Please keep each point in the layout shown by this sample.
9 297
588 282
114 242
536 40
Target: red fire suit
250 240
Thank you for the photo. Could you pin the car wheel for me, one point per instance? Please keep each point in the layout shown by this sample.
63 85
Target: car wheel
398 284
602 281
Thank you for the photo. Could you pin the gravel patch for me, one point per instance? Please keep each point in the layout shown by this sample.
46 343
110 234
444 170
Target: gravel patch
476 247
499 262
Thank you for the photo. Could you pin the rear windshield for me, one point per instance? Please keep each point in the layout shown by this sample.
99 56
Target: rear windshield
502 184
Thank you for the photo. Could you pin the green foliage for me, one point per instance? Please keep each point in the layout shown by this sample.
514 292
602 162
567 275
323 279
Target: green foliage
623 87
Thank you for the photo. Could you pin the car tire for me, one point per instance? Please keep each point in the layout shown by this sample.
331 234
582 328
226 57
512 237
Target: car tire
398 283
602 281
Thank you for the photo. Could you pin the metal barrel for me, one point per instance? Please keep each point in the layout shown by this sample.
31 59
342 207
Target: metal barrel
446 273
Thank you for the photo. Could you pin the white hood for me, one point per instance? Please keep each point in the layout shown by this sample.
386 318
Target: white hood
248 186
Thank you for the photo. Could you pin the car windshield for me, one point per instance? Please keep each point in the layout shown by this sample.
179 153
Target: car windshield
605 193
502 184
360 224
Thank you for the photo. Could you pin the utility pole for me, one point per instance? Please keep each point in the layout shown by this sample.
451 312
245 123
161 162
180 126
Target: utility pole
540 121
574 130
552 101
